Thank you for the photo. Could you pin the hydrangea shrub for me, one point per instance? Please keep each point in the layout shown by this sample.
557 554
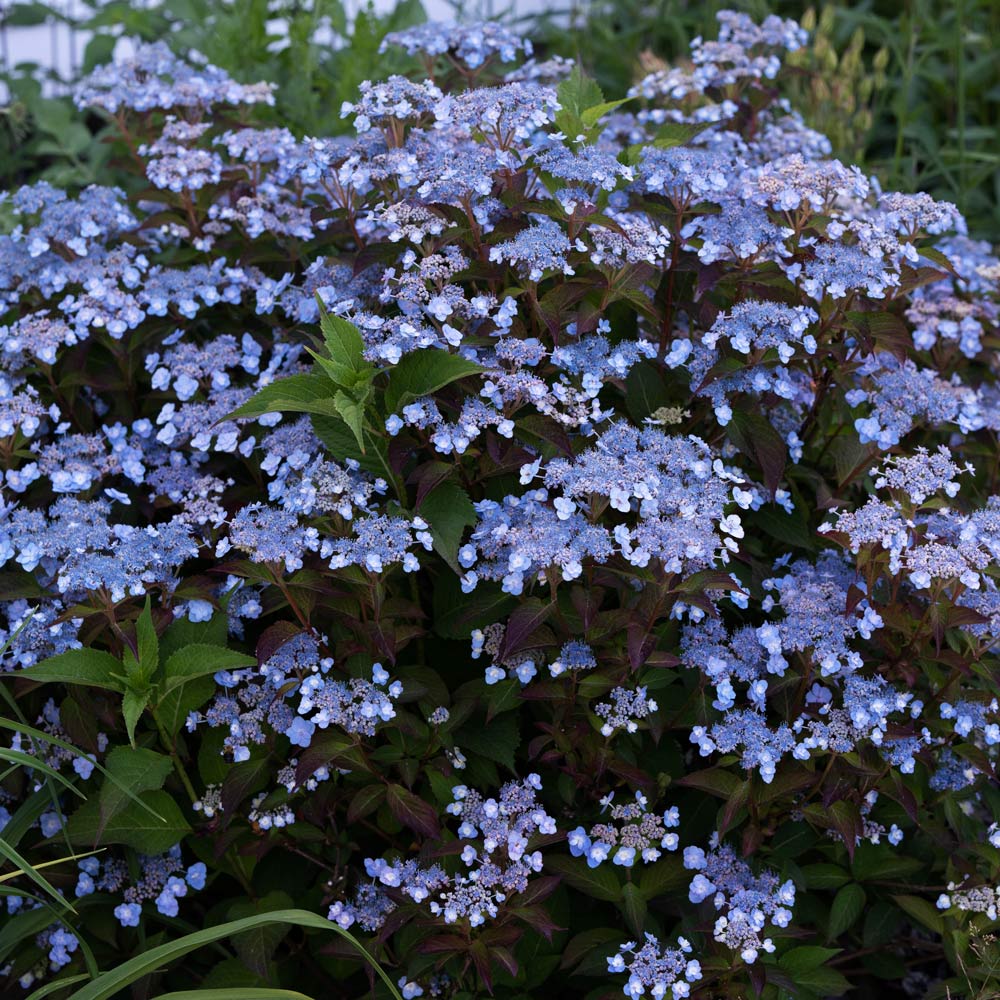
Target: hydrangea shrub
554 538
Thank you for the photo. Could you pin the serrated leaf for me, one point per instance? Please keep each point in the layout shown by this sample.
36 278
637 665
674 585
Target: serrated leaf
422 373
922 912
184 632
760 442
244 779
598 883
412 811
881 923
671 134
352 412
600 939
366 800
294 394
496 741
645 391
147 643
592 115
633 907
715 780
449 511
339 440
456 614
86 667
502 697
131 770
824 982
133 705
256 946
846 908
576 94
137 825
665 875
804 958
175 707
825 876
199 660
346 348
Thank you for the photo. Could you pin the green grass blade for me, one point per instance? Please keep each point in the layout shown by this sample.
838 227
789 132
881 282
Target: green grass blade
26 869
235 993
55 986
49 864
109 983
20 759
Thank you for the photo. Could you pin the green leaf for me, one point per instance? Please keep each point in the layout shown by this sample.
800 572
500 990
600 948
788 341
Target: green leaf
422 373
352 412
576 94
199 660
633 907
495 741
133 705
824 982
586 943
412 811
184 632
152 824
847 907
881 923
255 947
825 876
181 701
671 134
294 394
148 644
645 391
108 984
808 957
755 436
714 780
598 883
456 614
235 993
662 877
935 256
131 771
86 667
877 862
346 348
366 800
596 112
339 440
922 912
502 697
449 511
243 779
